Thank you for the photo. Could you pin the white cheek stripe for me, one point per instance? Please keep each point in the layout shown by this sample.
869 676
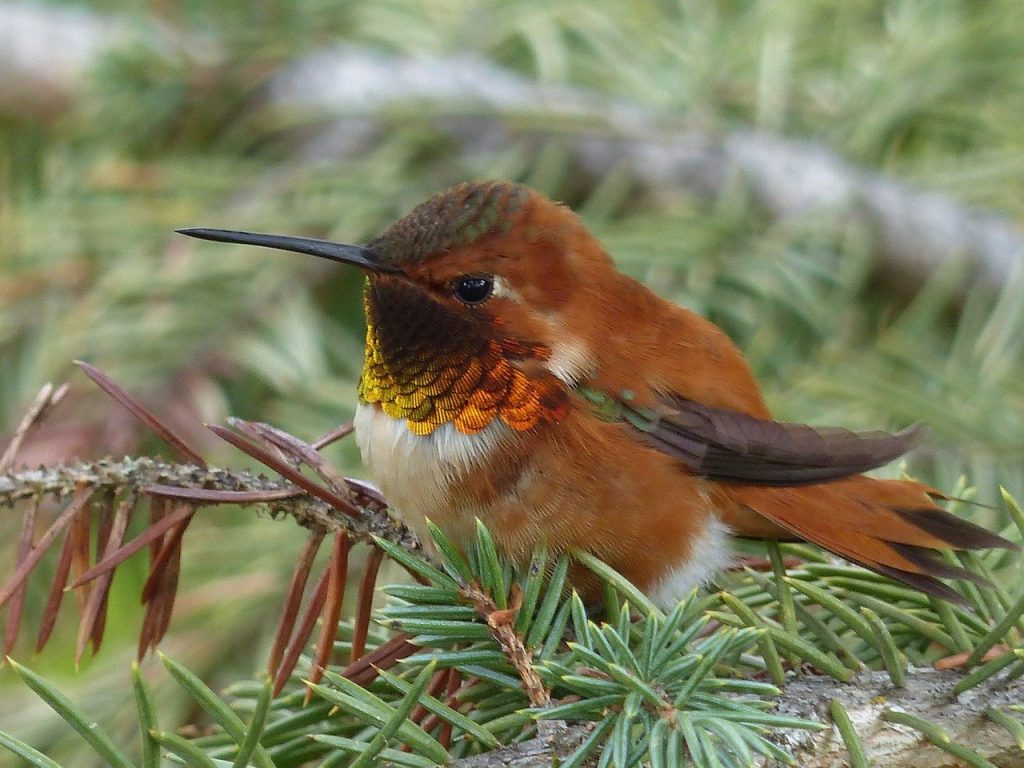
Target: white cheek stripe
709 553
570 361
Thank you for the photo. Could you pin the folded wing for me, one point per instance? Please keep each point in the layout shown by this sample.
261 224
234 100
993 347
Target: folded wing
807 480
733 447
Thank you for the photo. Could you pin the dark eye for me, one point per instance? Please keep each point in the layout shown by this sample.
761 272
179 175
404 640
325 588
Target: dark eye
474 289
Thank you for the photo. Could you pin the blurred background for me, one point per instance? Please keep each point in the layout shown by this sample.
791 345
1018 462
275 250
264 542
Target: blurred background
839 185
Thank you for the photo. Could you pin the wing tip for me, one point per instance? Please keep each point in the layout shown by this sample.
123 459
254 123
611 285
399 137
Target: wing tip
914 435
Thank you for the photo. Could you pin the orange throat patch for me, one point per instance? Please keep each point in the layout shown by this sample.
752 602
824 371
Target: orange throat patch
467 385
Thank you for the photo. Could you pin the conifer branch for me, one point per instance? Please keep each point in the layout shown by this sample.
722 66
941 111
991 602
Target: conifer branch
201 485
928 693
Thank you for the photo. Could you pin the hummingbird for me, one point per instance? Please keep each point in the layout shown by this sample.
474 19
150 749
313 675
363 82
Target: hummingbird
513 374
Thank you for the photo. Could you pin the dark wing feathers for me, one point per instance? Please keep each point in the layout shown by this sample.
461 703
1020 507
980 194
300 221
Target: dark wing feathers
890 527
734 447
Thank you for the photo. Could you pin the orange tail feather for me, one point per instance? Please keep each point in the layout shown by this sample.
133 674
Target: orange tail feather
892 527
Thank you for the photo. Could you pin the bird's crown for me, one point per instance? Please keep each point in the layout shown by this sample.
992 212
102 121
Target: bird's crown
456 217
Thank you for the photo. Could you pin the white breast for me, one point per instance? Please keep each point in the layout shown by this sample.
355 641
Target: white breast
415 472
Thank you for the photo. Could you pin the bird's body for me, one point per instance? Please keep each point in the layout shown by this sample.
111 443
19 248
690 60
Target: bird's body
573 488
514 375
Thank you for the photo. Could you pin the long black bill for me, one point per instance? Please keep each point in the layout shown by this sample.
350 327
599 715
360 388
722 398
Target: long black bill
325 249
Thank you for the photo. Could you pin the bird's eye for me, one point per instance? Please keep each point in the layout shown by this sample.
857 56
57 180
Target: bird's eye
473 289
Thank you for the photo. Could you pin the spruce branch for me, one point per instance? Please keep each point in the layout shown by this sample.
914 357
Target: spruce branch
929 694
884 744
501 622
205 486
651 682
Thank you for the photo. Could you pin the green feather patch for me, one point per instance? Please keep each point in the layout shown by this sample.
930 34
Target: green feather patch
458 216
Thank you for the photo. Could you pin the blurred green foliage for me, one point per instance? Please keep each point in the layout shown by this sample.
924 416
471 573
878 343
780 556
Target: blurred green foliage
929 91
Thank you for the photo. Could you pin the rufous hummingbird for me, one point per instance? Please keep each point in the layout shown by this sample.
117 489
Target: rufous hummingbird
514 375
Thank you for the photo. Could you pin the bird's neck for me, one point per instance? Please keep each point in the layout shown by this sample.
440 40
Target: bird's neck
428 369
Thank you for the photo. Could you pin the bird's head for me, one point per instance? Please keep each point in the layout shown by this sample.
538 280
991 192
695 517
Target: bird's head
473 303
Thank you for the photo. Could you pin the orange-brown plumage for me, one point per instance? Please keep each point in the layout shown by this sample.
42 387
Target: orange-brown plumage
514 375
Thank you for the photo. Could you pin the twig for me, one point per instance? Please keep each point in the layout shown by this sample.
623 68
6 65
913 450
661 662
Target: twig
502 626
81 498
293 601
928 693
338 574
361 621
143 473
365 670
143 414
305 630
44 401
28 526
90 628
282 468
556 742
294 449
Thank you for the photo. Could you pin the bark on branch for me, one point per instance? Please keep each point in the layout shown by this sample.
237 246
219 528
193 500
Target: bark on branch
142 475
928 694
47 52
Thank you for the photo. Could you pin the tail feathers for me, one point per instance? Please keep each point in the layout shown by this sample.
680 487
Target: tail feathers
889 526
927 584
957 533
